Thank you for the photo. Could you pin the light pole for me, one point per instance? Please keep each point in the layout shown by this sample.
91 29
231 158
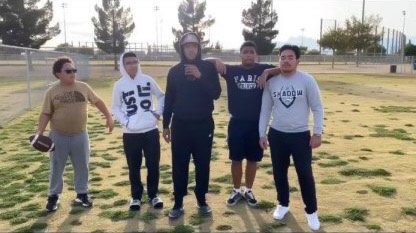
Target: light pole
363 10
302 29
403 36
1 21
156 9
64 5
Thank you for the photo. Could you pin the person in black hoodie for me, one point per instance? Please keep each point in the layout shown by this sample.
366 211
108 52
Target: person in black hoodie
192 87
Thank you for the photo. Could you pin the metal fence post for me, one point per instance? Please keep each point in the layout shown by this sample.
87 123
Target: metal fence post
29 88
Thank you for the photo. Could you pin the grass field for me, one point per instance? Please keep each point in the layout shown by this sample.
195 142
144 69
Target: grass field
364 171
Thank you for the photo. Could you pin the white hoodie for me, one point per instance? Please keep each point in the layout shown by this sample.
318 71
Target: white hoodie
132 104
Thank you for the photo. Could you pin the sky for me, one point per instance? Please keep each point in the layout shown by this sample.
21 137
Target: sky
297 19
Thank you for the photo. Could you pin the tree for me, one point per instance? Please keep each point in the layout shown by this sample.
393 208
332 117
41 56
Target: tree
374 20
376 49
303 49
313 52
410 49
70 48
191 15
360 35
336 40
23 23
112 26
218 46
260 21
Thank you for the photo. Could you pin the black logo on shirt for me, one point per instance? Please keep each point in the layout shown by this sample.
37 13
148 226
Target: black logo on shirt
287 95
70 97
130 100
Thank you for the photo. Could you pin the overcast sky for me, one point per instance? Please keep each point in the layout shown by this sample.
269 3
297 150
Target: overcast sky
296 18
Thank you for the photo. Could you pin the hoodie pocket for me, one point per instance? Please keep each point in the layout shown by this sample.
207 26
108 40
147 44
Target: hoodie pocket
142 121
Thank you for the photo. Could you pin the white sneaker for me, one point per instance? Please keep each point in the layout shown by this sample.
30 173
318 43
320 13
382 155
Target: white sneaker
313 221
135 204
280 212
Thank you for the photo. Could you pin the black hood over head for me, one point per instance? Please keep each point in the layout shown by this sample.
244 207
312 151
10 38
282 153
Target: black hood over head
188 38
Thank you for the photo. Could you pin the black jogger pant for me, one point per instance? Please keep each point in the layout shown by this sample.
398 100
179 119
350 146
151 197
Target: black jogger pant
282 145
191 138
135 145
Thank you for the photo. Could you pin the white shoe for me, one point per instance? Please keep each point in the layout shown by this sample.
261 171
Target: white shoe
135 204
280 212
313 221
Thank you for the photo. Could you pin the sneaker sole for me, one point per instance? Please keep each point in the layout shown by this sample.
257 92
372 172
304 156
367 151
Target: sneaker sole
52 210
82 204
134 208
276 218
234 203
251 204
176 217
203 213
279 219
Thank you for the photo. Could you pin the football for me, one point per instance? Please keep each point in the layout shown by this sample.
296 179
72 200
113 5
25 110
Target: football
42 143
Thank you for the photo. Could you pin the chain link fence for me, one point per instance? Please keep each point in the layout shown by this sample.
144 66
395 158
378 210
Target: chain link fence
25 74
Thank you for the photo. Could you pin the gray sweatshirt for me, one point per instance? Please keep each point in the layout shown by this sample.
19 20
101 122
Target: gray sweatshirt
291 99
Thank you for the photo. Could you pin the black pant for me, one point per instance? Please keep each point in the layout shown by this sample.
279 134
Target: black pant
191 137
282 145
135 145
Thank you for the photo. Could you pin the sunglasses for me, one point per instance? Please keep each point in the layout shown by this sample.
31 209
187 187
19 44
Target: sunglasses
73 71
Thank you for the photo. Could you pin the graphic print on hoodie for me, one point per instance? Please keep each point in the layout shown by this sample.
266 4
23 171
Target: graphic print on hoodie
132 103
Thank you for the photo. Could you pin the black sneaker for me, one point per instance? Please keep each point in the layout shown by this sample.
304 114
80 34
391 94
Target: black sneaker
135 204
53 202
175 213
204 209
84 200
251 200
234 198
157 203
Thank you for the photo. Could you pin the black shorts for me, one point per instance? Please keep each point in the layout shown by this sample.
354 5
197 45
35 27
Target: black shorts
243 140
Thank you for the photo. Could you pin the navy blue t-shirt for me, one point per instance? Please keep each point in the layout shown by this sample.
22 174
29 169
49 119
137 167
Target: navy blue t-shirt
244 97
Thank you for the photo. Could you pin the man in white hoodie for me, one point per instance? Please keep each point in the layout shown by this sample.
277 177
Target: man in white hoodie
133 107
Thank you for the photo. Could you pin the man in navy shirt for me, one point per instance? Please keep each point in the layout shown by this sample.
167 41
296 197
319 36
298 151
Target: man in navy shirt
244 105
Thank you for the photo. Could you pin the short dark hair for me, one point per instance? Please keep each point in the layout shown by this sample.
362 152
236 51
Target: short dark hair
59 63
294 48
248 43
129 54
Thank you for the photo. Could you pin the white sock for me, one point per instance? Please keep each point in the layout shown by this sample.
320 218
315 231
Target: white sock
238 190
247 190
